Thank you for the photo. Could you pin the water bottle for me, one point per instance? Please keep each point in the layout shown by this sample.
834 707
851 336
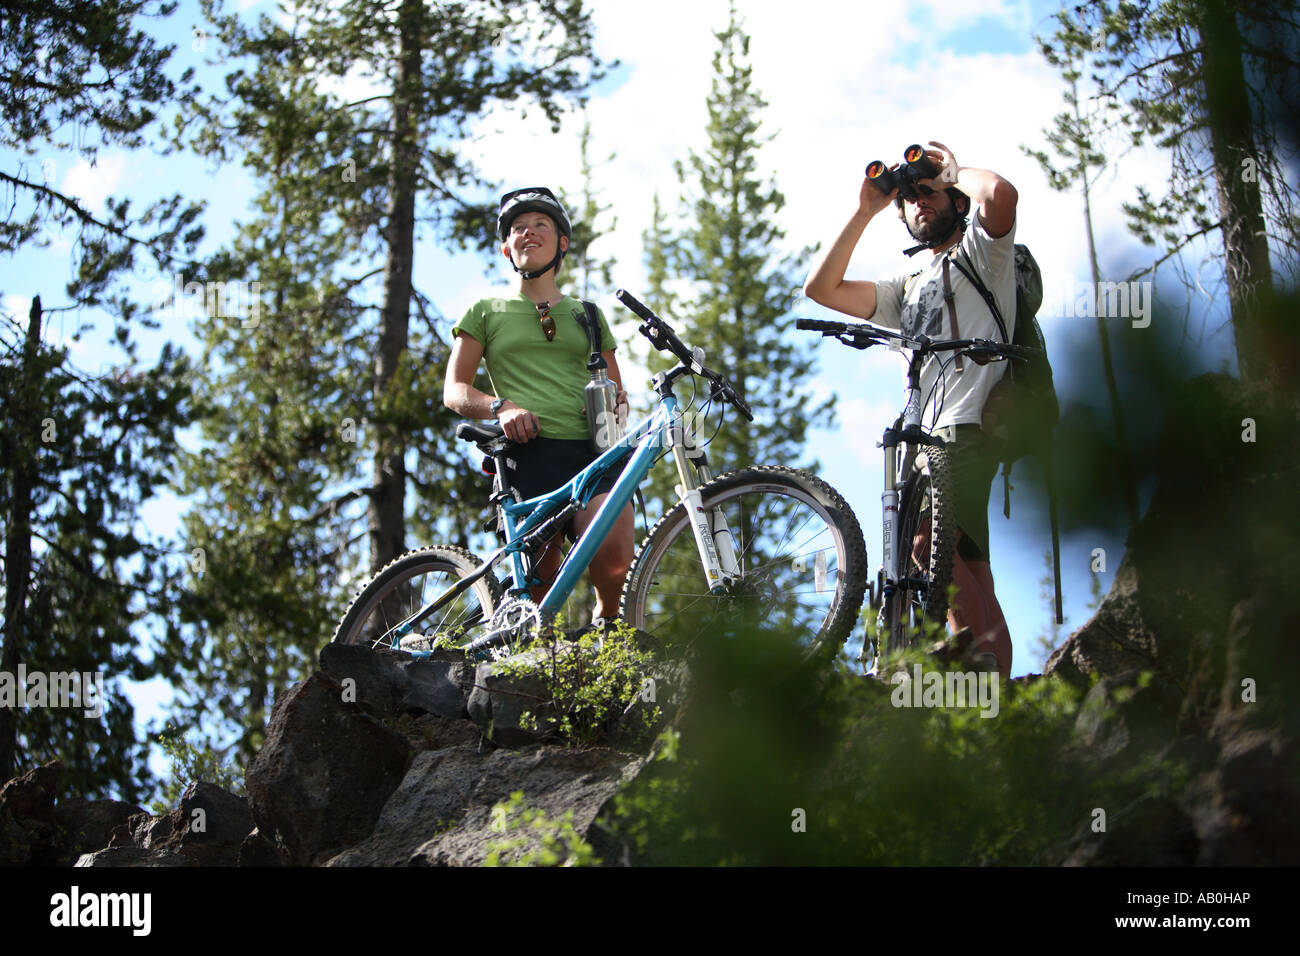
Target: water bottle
601 395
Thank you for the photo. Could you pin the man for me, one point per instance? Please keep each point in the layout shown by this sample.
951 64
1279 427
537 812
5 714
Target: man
936 219
536 350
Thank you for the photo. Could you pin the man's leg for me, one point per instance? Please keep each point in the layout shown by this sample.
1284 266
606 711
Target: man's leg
976 606
609 567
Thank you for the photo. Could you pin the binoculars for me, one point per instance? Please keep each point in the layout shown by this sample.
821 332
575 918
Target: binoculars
916 165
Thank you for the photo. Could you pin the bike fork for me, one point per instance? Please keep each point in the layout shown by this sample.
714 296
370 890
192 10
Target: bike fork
713 538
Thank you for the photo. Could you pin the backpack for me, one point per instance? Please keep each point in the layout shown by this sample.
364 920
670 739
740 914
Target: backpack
1022 409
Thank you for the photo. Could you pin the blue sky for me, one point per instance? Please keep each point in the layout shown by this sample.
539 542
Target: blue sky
846 83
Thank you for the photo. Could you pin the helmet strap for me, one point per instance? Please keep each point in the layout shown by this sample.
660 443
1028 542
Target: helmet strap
533 274
959 226
538 272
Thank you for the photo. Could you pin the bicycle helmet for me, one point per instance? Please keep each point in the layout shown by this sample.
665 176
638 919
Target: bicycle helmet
533 199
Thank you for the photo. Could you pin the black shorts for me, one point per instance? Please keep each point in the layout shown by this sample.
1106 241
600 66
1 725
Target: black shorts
544 464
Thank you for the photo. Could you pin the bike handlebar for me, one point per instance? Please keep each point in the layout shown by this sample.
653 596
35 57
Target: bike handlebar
818 325
861 335
663 338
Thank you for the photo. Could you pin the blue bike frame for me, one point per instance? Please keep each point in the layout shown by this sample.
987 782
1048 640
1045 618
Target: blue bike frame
644 444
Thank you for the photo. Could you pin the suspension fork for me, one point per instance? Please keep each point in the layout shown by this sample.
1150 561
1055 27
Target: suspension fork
903 434
713 538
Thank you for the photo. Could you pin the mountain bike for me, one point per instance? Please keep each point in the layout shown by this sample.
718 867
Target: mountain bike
919 536
774 545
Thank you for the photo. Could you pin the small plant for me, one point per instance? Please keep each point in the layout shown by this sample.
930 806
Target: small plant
191 763
589 682
529 837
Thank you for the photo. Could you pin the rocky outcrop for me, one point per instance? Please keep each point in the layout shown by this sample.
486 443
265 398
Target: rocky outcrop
320 780
37 828
1202 605
373 760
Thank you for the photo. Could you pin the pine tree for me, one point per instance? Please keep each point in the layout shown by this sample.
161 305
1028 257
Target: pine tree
1215 84
1075 139
81 453
592 274
736 297
78 456
81 76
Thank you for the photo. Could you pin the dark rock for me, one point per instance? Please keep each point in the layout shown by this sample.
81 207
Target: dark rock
1116 640
379 682
500 702
438 687
322 777
1246 812
552 780
431 732
134 856
389 683
257 850
431 797
90 825
209 826
1125 713
156 832
30 833
443 813
1150 831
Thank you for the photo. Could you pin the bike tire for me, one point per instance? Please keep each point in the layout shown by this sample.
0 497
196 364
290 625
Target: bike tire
922 594
403 586
806 528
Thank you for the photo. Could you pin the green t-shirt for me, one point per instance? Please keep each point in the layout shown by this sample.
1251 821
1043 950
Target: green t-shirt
547 378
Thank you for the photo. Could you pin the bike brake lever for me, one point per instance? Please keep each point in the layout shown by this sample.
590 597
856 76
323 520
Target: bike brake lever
854 341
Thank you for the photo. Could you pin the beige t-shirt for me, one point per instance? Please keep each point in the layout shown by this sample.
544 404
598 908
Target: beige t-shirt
916 307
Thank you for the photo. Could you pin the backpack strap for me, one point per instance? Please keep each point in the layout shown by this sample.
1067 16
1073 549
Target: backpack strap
983 290
949 298
590 322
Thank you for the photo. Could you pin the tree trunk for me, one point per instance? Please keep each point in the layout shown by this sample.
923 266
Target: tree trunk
18 440
1236 172
1103 334
387 510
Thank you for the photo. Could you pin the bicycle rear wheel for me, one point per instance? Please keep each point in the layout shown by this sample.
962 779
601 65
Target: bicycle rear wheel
801 553
927 540
409 582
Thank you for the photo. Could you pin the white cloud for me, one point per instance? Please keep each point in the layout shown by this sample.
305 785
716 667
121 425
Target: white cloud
17 306
92 184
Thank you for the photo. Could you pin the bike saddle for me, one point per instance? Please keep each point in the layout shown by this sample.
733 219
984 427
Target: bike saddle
479 432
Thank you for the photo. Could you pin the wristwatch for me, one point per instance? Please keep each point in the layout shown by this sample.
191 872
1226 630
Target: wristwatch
495 407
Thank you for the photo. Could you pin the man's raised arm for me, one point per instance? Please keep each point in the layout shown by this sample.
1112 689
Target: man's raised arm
826 284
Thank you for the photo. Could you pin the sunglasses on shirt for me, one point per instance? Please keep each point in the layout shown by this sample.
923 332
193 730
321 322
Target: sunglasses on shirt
548 322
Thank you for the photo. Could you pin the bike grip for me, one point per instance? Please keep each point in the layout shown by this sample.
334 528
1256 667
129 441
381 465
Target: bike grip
630 301
819 325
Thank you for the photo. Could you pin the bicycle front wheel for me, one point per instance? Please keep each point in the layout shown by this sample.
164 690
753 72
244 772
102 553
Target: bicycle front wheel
801 555
926 541
408 583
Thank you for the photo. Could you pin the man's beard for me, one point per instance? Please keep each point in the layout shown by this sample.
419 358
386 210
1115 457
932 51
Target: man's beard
937 229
